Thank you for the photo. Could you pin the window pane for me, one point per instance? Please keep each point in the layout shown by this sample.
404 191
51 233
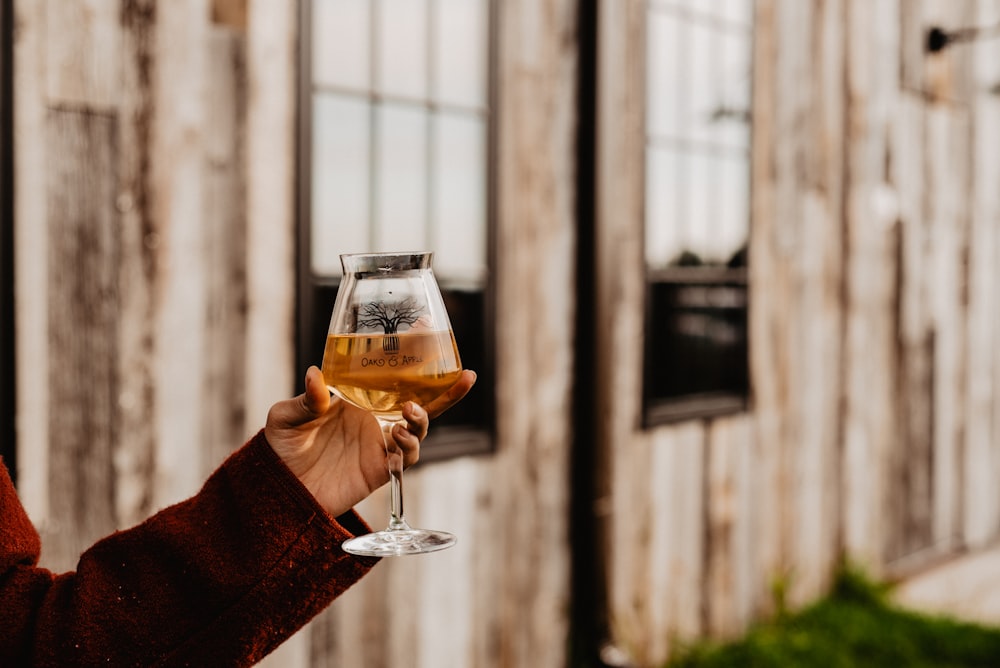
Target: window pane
340 165
664 207
340 47
702 85
733 188
739 11
732 118
401 178
460 52
698 228
697 207
697 344
459 198
398 146
402 48
665 90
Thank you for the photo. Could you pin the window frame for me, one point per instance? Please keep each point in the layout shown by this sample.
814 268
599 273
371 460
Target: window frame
657 408
8 375
445 441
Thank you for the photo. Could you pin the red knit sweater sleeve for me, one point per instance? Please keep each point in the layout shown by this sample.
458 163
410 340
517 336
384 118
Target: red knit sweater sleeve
217 580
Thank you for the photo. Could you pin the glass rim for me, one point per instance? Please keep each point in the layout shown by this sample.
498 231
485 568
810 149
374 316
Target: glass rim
353 263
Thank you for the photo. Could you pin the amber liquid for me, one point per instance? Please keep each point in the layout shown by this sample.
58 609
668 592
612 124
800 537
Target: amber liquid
360 369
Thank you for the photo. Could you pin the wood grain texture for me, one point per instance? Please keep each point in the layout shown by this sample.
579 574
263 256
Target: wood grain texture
873 413
155 309
82 386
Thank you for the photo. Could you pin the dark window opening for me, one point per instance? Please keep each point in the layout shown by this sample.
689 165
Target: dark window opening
696 344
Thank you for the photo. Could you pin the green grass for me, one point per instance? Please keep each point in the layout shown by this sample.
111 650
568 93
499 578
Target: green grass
853 626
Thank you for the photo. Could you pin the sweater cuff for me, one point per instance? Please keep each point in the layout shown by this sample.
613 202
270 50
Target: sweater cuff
343 527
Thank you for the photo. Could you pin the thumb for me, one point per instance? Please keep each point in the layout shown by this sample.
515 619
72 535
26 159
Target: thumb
317 397
304 408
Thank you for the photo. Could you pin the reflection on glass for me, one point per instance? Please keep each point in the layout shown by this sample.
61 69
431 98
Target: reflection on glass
400 177
340 159
340 46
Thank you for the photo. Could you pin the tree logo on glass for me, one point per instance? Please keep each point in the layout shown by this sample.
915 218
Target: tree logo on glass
389 317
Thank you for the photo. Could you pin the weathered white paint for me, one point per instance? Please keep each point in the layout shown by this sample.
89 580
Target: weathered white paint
31 267
179 349
270 210
874 315
82 53
982 419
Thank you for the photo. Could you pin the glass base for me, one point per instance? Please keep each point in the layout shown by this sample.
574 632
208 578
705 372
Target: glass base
399 542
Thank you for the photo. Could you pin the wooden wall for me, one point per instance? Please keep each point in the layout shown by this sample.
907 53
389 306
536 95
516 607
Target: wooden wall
155 227
874 320
155 276
136 315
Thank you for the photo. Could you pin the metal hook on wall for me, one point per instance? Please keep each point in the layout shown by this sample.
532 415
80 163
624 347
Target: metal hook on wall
938 38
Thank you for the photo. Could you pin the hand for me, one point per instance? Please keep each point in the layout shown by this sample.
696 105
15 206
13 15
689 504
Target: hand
337 450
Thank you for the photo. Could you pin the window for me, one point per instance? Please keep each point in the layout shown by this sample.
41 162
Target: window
697 206
7 394
395 137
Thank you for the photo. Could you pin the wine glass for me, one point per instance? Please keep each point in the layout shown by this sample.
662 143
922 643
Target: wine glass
389 342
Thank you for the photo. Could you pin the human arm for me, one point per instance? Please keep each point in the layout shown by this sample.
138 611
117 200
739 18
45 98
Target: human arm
219 579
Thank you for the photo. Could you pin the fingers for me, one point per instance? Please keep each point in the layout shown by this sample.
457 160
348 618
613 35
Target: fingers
418 422
453 395
408 442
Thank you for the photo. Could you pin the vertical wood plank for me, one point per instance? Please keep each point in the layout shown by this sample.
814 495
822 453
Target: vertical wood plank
947 222
625 505
910 474
674 583
870 266
797 313
224 255
989 203
31 265
982 454
181 46
270 209
766 266
730 513
83 252
449 496
534 347
138 296
83 53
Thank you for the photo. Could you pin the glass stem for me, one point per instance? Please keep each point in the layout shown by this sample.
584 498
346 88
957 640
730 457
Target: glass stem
394 462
